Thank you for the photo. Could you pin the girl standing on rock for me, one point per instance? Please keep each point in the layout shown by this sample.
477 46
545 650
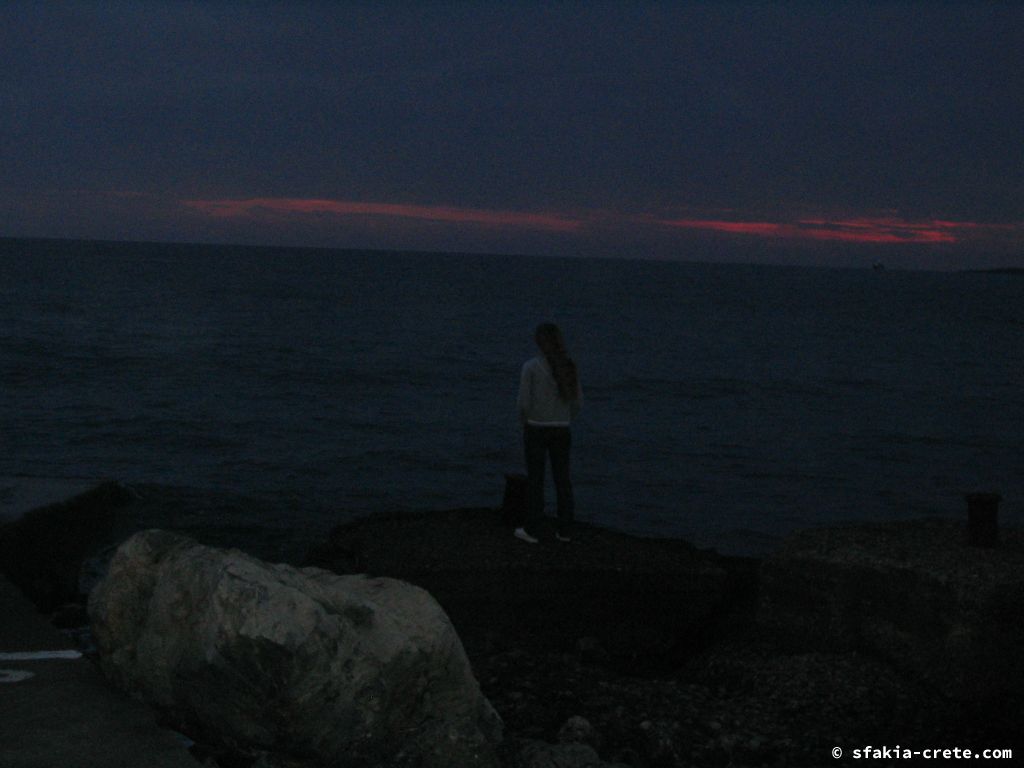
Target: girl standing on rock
549 399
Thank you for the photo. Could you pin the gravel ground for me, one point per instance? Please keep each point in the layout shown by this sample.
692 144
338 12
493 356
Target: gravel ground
741 703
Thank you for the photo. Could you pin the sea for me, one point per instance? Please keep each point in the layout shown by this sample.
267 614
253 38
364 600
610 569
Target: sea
726 404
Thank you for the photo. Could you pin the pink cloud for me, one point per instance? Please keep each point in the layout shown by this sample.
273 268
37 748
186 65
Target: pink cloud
881 229
761 228
857 230
262 206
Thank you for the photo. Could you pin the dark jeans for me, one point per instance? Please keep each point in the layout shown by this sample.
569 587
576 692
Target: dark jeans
540 442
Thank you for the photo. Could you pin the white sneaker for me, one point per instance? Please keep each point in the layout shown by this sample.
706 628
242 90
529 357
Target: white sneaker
524 536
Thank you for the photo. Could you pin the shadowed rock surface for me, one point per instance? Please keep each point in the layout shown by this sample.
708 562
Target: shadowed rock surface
306 664
43 551
56 553
914 593
645 602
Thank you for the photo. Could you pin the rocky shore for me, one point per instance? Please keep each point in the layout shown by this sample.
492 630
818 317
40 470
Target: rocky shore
666 651
614 649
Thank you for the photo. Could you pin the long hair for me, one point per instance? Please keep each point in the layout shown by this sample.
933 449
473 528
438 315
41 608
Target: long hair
552 345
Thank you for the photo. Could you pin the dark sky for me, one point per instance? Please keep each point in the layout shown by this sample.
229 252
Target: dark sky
805 132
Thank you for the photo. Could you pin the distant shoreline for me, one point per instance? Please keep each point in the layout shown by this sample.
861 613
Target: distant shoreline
996 271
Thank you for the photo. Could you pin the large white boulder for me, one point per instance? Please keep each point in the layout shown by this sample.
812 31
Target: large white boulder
346 670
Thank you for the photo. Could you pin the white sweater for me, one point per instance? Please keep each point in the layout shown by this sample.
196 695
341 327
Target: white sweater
539 403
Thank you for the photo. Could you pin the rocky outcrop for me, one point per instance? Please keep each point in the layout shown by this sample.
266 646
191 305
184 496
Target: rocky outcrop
639 601
914 593
43 551
303 663
58 552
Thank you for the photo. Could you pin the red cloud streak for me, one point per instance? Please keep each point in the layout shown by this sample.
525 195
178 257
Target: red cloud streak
866 229
855 230
254 207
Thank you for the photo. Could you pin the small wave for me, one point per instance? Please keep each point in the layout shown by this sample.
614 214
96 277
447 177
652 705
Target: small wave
690 389
858 385
902 439
799 477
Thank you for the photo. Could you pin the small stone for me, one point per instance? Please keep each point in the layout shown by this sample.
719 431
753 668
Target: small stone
537 754
591 650
660 743
577 730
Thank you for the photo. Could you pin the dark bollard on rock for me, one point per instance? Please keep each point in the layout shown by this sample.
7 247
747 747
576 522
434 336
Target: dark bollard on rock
983 519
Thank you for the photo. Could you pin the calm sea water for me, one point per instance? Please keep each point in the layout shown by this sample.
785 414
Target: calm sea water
725 404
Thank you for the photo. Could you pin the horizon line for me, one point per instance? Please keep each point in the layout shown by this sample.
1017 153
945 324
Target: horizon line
500 254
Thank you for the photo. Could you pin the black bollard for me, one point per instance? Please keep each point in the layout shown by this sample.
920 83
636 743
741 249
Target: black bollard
983 519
